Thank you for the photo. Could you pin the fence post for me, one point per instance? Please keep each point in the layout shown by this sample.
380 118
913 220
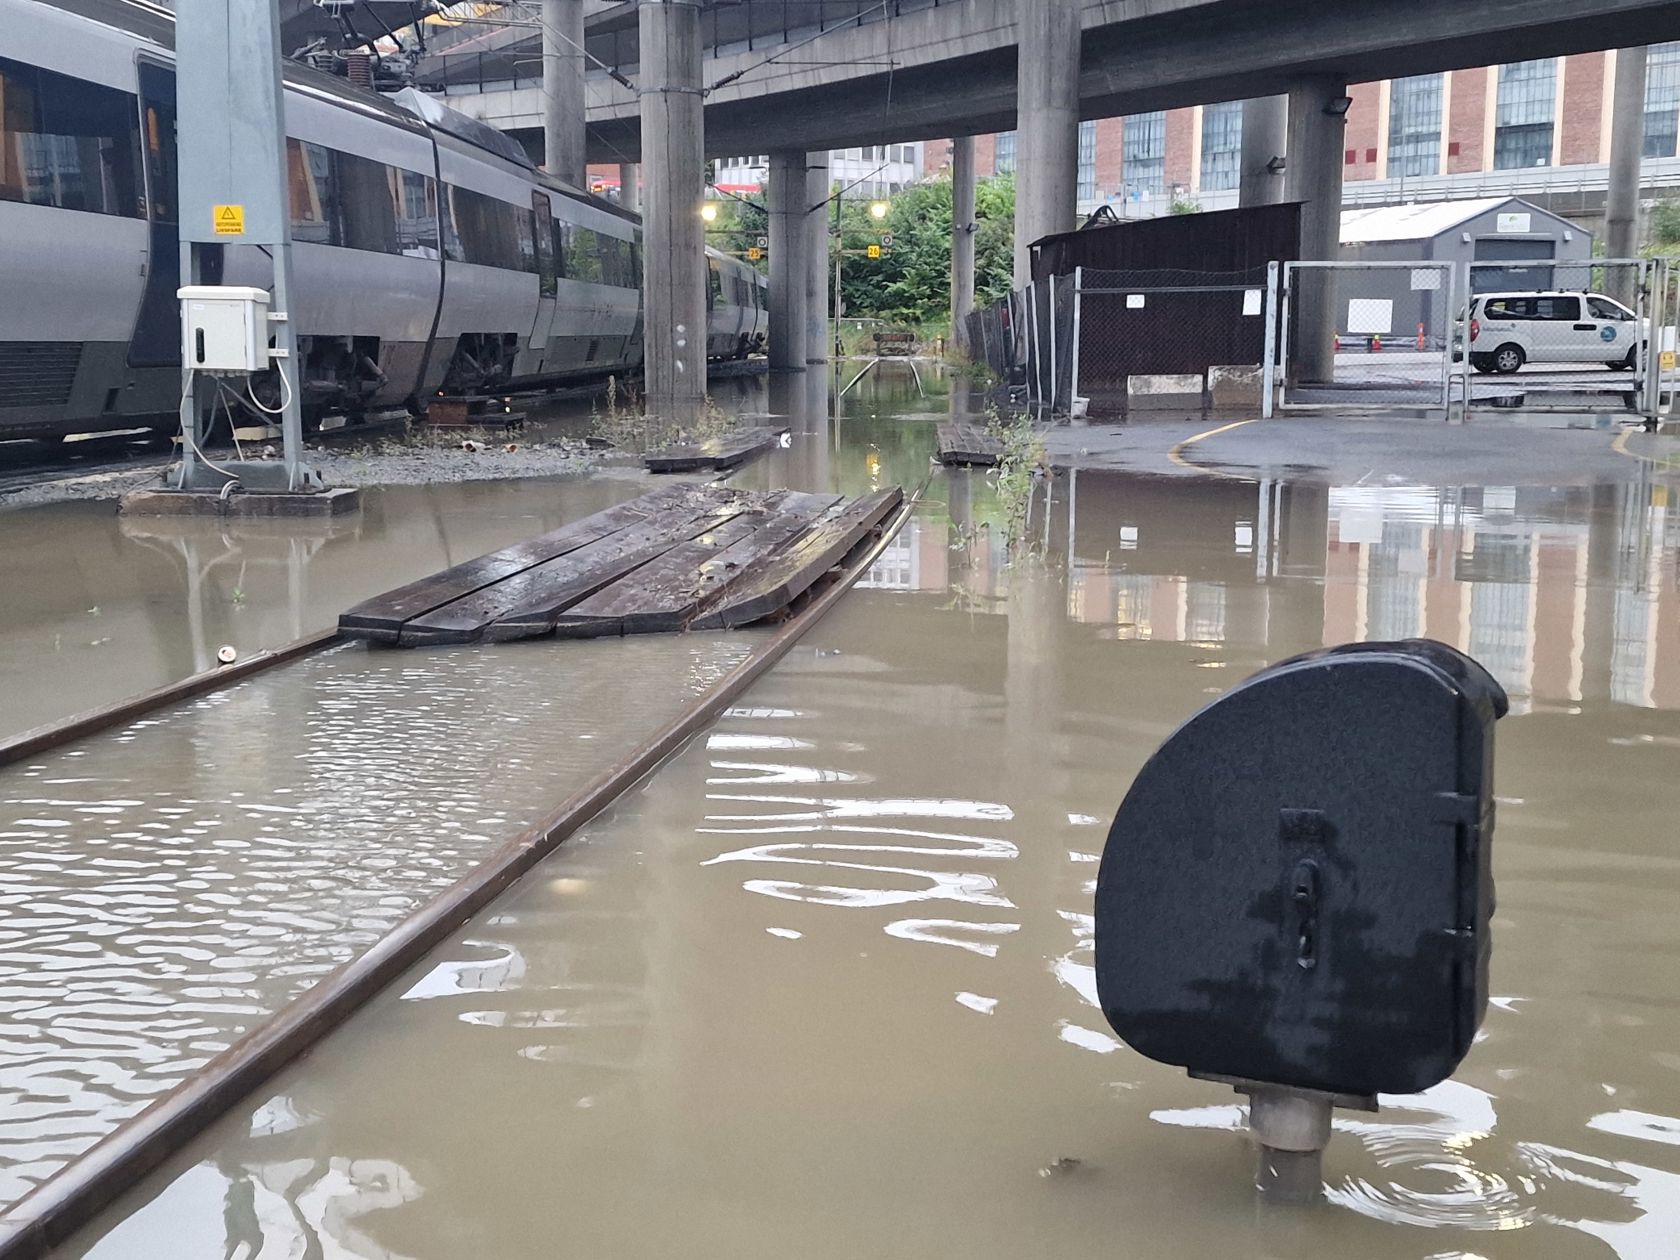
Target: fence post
1055 378
1446 352
1078 302
1650 358
1034 367
1268 373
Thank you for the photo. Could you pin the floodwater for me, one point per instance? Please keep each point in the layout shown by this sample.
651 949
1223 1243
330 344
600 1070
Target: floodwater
822 986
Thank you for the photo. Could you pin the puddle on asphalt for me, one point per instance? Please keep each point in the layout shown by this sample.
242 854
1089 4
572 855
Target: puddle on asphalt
823 986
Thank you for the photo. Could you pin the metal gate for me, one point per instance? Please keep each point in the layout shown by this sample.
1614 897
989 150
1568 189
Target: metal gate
1583 338
1358 336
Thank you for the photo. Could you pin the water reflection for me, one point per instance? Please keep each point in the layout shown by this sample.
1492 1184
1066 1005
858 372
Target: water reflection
1566 594
101 608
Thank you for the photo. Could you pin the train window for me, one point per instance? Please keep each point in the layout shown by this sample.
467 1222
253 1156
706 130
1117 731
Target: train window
367 209
716 291
526 223
583 255
489 232
66 142
543 213
157 137
613 262
415 196
309 177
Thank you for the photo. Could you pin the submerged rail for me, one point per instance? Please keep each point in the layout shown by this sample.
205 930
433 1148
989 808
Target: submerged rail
69 1199
46 738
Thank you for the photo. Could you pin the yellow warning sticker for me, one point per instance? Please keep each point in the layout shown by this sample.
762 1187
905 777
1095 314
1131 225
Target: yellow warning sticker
1668 360
230 220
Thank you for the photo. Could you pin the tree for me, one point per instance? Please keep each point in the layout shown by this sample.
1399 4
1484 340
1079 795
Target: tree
911 282
1665 224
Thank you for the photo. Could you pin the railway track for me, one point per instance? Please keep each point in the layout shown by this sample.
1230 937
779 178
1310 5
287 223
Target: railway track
76 1192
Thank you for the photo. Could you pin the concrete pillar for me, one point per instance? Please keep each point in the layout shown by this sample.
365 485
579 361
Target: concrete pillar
1627 151
630 187
818 295
962 238
562 91
1317 135
674 237
1265 139
1047 130
789 243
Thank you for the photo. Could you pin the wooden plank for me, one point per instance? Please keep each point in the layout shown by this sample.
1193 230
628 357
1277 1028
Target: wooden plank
715 454
967 444
668 593
527 604
782 577
382 617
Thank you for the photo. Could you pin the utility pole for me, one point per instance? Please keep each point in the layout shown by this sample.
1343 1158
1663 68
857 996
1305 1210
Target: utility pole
232 191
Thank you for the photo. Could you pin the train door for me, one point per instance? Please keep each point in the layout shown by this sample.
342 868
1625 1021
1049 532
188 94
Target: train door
716 315
157 327
548 274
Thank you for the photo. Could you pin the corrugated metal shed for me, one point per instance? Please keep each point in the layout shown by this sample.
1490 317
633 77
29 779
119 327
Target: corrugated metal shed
1368 225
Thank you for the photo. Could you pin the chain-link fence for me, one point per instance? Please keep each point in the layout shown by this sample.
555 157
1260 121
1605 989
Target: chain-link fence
991 339
1191 342
1591 337
1362 335
1561 336
1665 343
1027 341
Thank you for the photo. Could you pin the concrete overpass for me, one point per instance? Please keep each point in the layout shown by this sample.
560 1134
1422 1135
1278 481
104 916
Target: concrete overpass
929 69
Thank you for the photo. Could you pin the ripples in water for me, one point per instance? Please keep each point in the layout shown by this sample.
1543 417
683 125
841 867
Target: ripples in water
166 888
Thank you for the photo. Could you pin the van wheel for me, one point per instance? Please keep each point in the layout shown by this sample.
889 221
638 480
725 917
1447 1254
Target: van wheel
1482 362
1508 359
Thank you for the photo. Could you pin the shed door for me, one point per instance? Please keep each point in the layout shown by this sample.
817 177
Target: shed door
1513 278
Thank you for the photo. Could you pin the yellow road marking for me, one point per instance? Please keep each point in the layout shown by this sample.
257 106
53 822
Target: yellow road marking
1176 453
1620 446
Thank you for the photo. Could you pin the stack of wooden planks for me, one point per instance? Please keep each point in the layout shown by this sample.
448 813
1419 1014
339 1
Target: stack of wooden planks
687 557
968 444
716 454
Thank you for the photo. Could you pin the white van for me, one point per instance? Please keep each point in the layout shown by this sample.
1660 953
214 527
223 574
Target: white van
1508 330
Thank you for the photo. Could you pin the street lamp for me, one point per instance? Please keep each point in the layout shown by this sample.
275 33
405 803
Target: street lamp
709 212
878 210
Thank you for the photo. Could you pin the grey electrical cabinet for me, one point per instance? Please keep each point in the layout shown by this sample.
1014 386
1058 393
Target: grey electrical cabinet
1297 888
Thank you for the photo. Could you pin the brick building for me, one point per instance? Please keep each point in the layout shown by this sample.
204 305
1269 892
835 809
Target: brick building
1516 127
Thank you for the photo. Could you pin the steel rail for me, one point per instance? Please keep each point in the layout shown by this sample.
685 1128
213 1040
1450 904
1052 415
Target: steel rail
55 735
69 1199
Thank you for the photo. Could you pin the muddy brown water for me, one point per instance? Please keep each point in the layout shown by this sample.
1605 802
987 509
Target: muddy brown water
823 987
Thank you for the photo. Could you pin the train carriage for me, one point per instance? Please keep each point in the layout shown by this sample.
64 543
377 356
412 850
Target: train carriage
428 253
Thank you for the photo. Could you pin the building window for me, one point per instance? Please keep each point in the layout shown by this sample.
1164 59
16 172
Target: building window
1414 127
1221 146
1006 153
1662 101
1527 105
1087 161
1146 154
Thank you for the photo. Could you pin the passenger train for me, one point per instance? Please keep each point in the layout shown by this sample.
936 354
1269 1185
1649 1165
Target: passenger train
428 253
